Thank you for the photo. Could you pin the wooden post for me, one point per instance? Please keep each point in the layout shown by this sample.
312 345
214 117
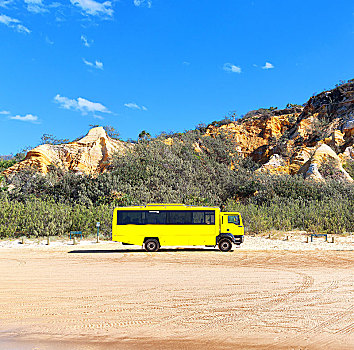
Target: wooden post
22 240
332 239
48 240
74 240
287 238
98 224
269 236
307 239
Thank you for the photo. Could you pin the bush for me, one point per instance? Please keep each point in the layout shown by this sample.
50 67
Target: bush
42 217
285 214
349 167
4 164
194 170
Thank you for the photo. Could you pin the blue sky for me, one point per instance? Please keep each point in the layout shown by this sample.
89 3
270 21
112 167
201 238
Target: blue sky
161 65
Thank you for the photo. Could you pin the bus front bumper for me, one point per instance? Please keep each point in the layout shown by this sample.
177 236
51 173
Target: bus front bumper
238 239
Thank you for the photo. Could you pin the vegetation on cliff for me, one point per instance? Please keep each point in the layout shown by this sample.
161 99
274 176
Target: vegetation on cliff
190 169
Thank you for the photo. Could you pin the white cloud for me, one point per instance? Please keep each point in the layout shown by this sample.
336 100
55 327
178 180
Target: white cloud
5 3
268 66
27 118
97 64
186 63
81 105
35 6
55 5
48 41
34 2
133 105
94 8
14 23
146 3
229 67
8 20
85 41
22 29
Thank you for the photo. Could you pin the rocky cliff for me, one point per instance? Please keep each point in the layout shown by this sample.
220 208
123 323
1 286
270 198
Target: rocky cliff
306 140
89 155
314 140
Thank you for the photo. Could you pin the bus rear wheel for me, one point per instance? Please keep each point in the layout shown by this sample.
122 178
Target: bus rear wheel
151 245
225 245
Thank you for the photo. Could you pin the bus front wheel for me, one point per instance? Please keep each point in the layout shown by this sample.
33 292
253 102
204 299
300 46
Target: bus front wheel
225 245
151 245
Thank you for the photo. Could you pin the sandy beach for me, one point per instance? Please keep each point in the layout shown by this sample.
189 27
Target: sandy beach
268 294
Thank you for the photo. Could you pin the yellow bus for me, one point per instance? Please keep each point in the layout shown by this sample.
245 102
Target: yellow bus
156 225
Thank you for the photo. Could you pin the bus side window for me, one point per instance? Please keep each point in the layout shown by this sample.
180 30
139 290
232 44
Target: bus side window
129 217
155 217
180 217
198 217
210 218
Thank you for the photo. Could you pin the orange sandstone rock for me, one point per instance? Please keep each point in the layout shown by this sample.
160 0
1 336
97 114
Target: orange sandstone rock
323 154
90 155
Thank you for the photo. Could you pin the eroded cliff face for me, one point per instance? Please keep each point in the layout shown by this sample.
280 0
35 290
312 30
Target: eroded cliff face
255 135
90 155
301 139
309 140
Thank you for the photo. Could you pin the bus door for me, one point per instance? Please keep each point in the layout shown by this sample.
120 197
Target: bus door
231 223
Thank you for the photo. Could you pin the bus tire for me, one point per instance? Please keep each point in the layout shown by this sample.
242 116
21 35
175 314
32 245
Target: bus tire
151 245
225 244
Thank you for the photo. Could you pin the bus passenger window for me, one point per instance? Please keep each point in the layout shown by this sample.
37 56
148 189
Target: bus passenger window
180 217
129 217
198 217
210 218
155 217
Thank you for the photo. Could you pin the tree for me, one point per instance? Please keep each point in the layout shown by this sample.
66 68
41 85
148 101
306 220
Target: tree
112 132
52 140
233 115
144 135
292 105
202 127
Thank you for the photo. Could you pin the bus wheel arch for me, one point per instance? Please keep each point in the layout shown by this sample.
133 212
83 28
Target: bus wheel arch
151 244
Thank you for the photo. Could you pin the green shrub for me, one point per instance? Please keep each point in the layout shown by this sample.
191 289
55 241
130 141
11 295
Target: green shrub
349 167
155 172
4 164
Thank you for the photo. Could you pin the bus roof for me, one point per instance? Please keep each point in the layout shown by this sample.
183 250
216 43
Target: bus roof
177 206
